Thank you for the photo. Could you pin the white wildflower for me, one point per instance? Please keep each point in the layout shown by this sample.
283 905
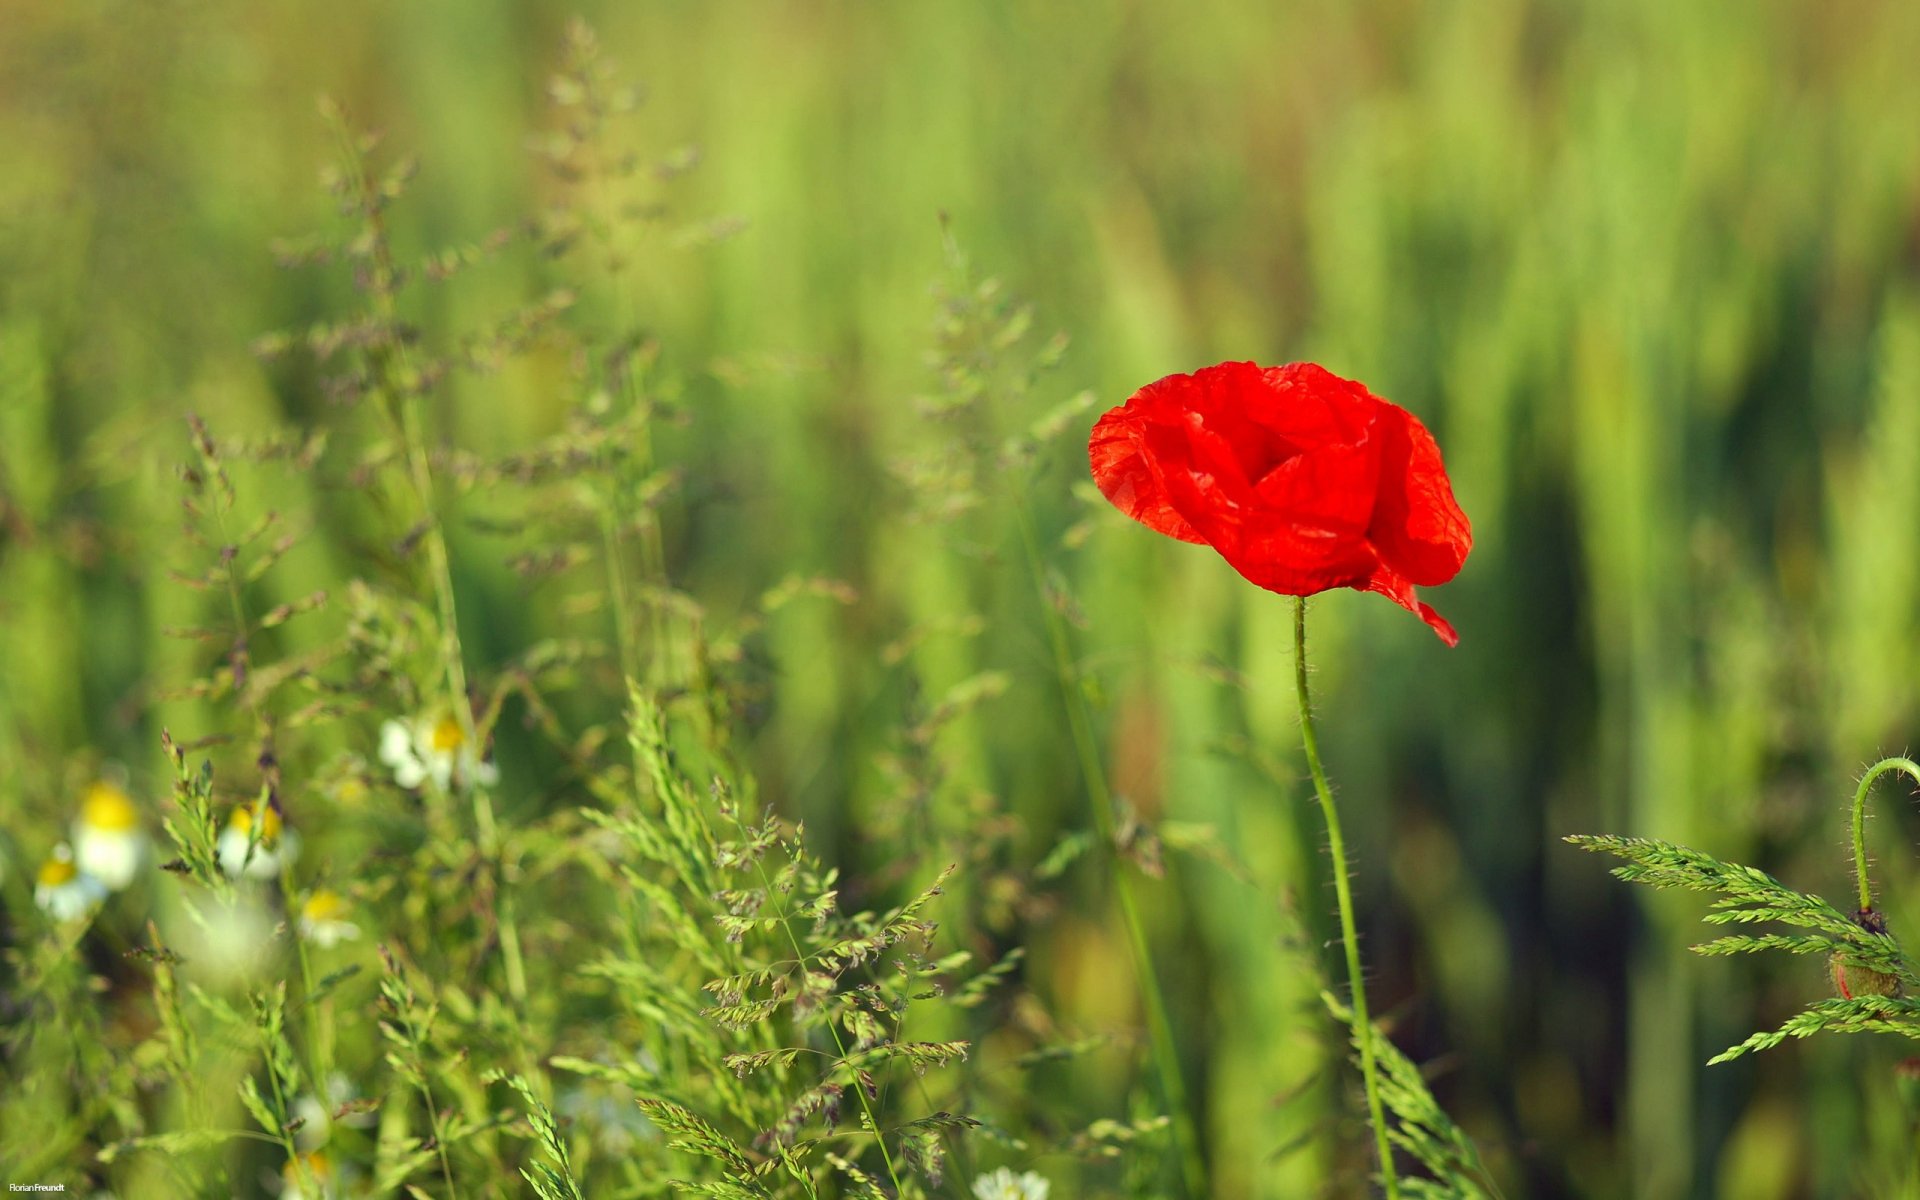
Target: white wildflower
433 748
1005 1185
63 891
108 842
323 919
256 855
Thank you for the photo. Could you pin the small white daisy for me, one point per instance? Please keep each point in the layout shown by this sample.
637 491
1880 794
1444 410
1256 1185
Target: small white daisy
108 842
62 890
1005 1185
260 856
323 919
433 748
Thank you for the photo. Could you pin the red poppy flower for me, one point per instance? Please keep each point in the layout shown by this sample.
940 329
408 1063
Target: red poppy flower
1302 480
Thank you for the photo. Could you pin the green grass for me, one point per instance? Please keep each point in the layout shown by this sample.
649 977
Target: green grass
1648 271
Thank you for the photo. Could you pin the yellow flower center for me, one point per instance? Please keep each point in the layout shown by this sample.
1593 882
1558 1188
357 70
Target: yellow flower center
57 872
446 736
107 809
242 820
324 905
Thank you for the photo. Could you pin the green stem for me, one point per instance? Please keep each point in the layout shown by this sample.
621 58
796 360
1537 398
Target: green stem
439 1135
401 383
439 564
1860 819
319 1045
800 957
1166 1051
1343 893
303 1170
646 520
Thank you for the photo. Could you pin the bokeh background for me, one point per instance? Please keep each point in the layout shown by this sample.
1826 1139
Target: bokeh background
1650 271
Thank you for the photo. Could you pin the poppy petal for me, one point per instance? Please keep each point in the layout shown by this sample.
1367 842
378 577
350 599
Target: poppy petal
1417 524
1399 589
1308 405
1126 477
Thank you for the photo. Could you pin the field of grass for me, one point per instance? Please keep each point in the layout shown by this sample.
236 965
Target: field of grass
725 440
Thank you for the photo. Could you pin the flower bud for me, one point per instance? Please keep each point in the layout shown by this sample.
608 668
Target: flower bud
1851 978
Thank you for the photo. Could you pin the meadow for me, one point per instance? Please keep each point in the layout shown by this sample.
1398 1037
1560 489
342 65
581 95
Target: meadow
610 485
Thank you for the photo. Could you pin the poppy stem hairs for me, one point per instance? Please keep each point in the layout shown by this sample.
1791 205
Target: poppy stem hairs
1343 894
1860 820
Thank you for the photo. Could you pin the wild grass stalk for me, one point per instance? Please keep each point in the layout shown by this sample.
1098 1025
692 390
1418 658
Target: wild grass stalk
1165 1048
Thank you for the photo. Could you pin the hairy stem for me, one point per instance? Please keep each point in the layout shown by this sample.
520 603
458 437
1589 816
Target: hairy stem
1860 820
1343 894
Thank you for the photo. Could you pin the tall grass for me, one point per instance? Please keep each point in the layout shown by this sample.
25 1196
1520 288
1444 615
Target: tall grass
1648 270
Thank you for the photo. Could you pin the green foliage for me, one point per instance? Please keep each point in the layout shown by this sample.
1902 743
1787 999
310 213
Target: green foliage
193 827
634 982
551 1180
1858 947
794 1007
1862 1014
1644 269
646 956
1420 1127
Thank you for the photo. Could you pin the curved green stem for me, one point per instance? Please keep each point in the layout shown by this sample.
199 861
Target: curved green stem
1343 893
1860 819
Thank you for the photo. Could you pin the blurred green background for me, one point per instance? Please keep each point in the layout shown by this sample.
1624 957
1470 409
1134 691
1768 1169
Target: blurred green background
1650 271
